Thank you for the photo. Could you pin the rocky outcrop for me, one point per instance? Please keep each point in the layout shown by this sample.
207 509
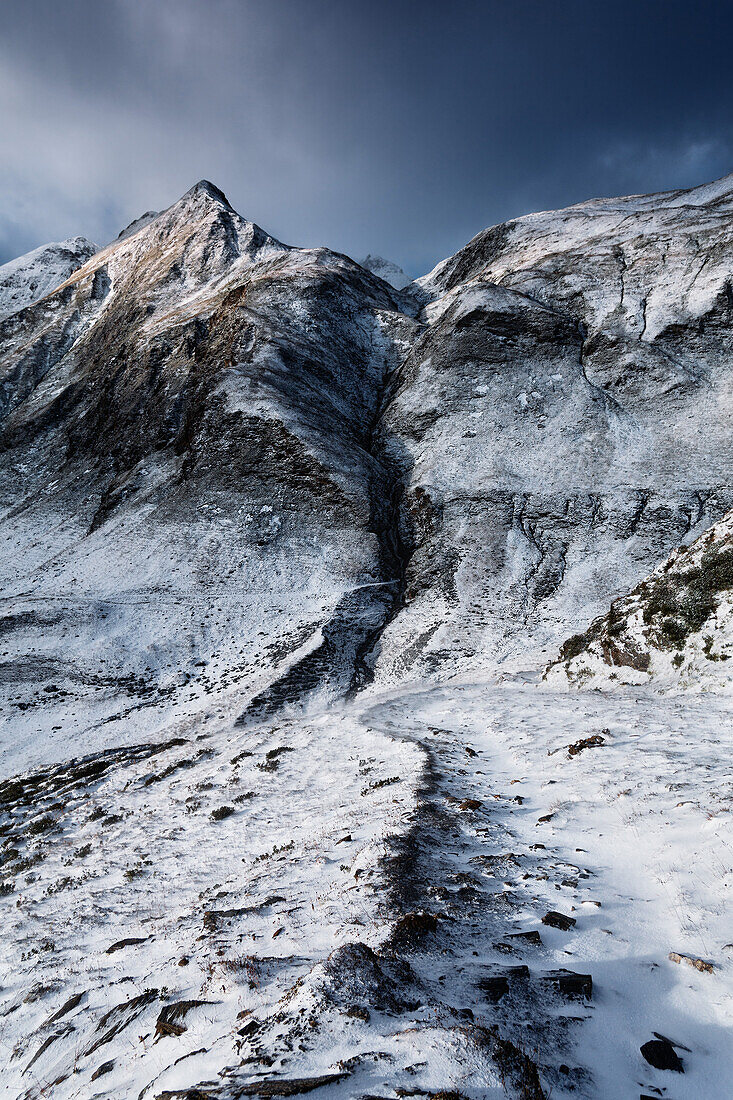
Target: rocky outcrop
675 629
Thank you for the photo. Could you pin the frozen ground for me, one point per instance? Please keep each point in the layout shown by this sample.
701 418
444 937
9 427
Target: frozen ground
356 916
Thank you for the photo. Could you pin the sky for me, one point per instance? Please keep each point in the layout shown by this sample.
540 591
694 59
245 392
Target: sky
386 126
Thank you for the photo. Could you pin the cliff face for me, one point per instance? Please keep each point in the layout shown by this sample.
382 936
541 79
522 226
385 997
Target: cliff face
563 419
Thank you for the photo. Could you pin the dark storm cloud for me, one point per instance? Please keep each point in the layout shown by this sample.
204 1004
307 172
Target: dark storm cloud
393 127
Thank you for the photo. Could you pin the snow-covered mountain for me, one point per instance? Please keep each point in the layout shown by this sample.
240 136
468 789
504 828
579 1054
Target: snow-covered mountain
286 543
387 270
30 277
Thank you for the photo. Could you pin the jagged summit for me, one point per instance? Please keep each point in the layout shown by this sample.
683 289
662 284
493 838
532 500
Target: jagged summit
210 190
137 224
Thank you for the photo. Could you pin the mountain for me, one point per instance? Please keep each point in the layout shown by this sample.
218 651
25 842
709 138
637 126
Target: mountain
297 570
30 277
386 270
563 417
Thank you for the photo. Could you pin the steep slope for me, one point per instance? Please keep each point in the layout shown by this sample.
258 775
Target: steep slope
387 270
675 629
561 423
25 280
188 484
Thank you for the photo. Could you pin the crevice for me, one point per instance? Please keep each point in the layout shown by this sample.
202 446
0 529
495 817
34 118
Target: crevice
343 662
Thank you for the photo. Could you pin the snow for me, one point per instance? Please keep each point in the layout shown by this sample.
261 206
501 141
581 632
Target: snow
639 824
213 881
387 270
30 277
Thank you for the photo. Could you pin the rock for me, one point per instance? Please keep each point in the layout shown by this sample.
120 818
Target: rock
558 920
68 1006
496 985
586 743
569 983
532 937
672 1042
470 804
106 1067
661 1054
171 1016
697 964
129 941
290 1086
411 929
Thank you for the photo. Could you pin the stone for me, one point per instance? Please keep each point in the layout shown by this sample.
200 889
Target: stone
690 960
558 920
661 1054
570 984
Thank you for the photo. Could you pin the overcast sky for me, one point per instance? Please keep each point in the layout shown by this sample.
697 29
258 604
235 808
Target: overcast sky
386 126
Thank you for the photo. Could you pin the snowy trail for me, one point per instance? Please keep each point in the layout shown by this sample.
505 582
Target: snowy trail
631 839
354 899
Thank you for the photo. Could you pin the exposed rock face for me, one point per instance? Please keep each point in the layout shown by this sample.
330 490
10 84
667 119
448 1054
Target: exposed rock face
229 460
562 419
25 280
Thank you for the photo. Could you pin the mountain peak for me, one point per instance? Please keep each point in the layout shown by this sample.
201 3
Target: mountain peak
385 269
205 187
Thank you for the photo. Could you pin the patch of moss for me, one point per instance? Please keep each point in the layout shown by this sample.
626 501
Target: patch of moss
685 601
573 646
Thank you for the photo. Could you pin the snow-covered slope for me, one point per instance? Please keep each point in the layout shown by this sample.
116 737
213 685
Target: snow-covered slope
30 277
387 270
674 629
561 421
285 805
